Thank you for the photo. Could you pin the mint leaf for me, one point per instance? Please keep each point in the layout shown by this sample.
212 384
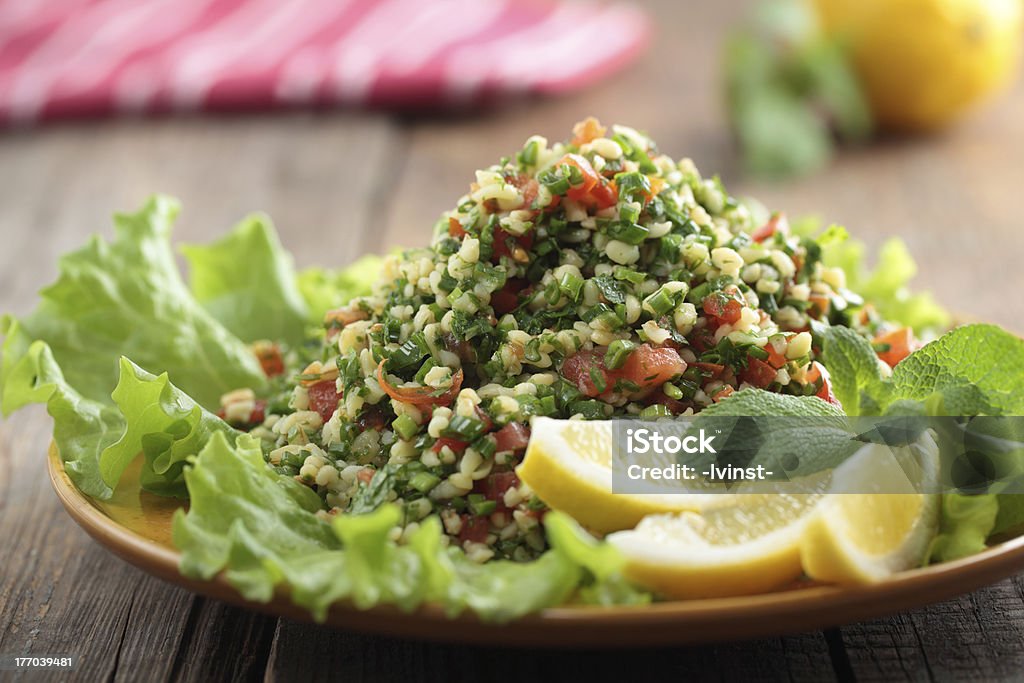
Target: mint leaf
853 366
757 402
975 368
246 281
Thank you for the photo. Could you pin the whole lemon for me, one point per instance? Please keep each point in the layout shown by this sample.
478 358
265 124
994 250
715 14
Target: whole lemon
922 63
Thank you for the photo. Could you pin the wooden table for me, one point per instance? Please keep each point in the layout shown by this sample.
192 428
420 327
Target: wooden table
342 184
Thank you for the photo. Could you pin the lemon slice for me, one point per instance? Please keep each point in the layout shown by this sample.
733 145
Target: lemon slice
568 464
751 546
879 517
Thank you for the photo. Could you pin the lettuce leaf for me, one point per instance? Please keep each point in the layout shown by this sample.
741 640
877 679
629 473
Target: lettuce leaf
261 529
964 525
127 298
247 281
887 286
326 289
83 428
163 423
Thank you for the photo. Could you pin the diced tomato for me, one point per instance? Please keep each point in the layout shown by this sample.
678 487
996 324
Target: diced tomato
456 445
722 393
503 240
256 417
702 339
512 437
820 305
657 184
775 359
496 485
372 417
725 308
474 529
271 360
818 372
587 130
594 192
324 397
647 367
455 228
758 373
775 223
419 396
506 299
485 418
900 342
712 370
365 475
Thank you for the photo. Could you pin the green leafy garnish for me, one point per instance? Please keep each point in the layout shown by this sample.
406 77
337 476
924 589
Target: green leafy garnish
247 281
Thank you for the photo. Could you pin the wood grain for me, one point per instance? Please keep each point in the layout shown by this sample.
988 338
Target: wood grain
342 184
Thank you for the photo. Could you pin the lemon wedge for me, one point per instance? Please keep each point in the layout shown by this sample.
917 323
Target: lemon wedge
879 517
751 546
568 464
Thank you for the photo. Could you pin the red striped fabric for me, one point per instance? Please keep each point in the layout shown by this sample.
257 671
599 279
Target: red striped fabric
68 58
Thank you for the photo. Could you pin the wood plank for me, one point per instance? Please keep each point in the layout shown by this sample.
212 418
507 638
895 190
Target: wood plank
61 593
311 653
979 636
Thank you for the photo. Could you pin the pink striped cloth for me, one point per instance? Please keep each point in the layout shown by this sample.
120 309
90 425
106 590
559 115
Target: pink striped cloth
68 58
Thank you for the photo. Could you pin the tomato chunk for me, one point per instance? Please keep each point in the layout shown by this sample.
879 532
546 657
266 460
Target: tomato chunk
324 397
512 437
899 344
505 244
506 299
456 445
587 130
474 529
419 396
818 372
647 367
722 307
495 487
758 373
775 223
594 192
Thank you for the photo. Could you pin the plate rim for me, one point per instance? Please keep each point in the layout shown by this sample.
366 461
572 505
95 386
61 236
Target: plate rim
688 622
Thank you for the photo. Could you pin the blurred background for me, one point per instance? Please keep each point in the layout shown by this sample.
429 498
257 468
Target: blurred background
354 124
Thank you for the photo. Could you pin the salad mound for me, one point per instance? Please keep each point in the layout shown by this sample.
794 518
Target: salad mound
349 442
587 279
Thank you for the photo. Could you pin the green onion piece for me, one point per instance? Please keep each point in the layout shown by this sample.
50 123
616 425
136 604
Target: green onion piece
758 353
424 481
485 446
629 212
597 377
656 410
672 391
660 302
628 274
618 352
405 427
482 507
464 428
630 233
571 285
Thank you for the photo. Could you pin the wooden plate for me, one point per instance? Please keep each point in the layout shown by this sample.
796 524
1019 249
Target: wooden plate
136 526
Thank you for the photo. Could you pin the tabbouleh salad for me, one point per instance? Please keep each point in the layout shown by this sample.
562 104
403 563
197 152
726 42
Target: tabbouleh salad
585 279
